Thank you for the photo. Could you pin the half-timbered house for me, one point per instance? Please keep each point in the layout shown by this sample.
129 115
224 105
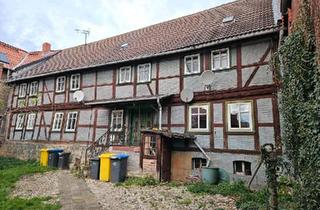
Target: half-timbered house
132 82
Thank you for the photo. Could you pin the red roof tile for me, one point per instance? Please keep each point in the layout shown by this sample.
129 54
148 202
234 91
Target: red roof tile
251 16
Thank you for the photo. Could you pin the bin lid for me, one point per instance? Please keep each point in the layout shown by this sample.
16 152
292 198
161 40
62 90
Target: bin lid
94 159
44 150
120 156
55 150
64 153
106 155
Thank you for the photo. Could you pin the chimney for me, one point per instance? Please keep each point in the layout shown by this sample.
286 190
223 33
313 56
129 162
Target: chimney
46 47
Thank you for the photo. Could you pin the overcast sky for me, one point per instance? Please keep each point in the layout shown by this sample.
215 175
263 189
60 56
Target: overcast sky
29 23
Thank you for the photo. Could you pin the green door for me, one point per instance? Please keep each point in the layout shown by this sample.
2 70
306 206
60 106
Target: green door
140 118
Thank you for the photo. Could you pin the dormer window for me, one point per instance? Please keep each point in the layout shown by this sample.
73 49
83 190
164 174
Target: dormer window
75 82
22 90
192 64
220 59
125 74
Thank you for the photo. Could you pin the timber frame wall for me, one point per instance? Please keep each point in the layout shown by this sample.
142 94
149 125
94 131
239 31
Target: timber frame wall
245 86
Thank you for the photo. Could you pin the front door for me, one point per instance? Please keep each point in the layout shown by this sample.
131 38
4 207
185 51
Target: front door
140 118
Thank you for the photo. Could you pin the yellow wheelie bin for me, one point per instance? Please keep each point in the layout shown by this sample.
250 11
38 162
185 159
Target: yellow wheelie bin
44 156
105 166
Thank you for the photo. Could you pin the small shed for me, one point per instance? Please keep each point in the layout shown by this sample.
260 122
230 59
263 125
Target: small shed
156 147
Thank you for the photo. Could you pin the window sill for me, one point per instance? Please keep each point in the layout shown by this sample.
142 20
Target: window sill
74 90
221 70
60 92
149 157
29 129
55 131
145 82
241 132
73 131
192 74
124 83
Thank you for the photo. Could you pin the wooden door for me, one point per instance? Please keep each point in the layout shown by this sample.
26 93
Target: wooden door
165 169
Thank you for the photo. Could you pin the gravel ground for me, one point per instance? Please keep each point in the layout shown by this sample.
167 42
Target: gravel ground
155 197
38 185
118 197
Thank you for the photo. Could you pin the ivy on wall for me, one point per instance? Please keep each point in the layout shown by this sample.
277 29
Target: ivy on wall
300 108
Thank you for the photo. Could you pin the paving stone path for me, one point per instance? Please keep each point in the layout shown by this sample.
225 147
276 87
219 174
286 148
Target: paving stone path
75 194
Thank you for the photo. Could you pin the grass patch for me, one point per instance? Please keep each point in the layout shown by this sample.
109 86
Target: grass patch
10 172
139 181
245 199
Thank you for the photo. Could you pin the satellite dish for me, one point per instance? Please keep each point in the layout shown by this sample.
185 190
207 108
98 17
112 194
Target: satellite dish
207 77
78 96
186 95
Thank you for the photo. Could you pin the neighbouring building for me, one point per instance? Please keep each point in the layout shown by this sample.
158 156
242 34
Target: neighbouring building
117 88
10 58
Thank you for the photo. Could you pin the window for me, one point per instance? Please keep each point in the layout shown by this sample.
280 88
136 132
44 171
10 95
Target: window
192 64
198 163
220 59
57 121
75 82
150 146
242 168
60 84
199 118
31 120
117 120
240 116
22 90
125 74
33 88
20 121
144 72
71 121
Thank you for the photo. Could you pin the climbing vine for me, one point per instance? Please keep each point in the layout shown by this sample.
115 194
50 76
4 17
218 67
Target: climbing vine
300 108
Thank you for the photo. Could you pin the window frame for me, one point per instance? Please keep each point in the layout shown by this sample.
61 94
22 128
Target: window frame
205 106
119 75
138 73
243 168
20 95
251 117
150 146
68 122
185 64
193 162
228 59
71 82
57 84
22 123
53 128
122 120
31 93
33 122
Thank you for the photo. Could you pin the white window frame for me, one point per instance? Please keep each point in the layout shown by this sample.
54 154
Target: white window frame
250 129
125 68
149 70
73 77
219 51
22 90
19 121
58 120
112 116
31 121
69 121
185 64
204 106
243 166
34 88
63 86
